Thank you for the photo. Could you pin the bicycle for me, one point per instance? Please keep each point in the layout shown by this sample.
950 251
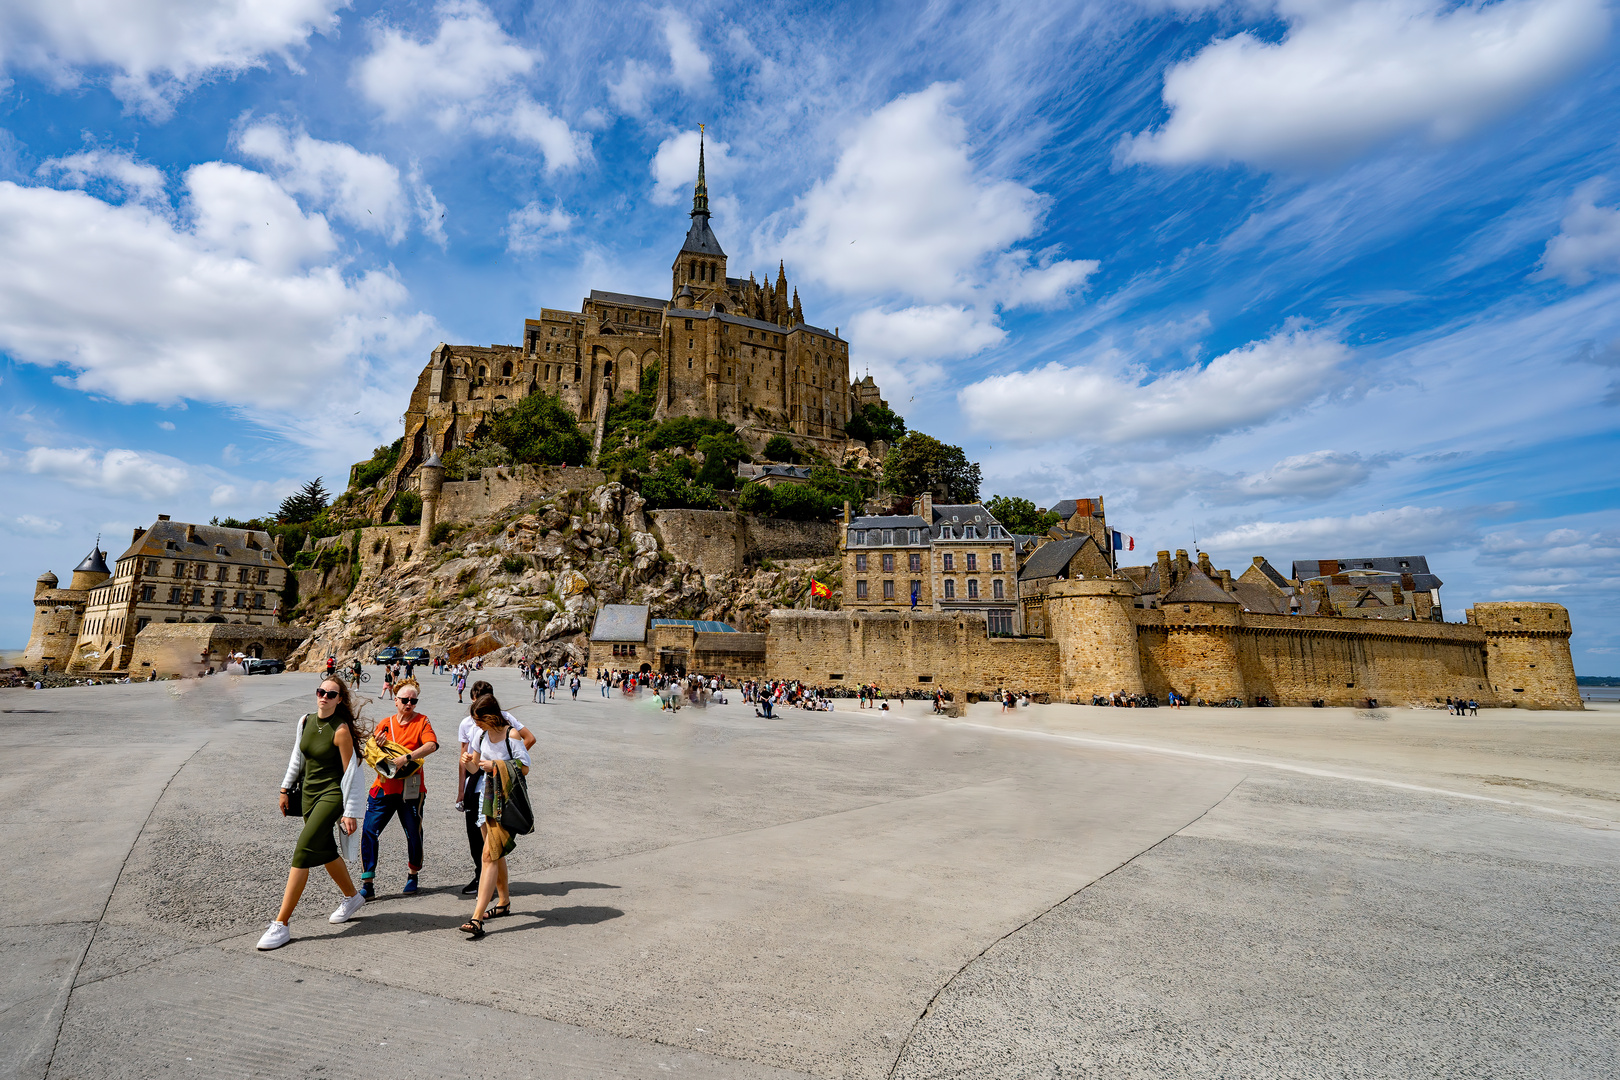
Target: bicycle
358 677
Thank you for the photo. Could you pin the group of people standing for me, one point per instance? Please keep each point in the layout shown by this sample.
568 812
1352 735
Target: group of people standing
324 785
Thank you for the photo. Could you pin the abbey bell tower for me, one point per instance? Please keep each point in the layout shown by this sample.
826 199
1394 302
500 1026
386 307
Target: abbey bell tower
701 264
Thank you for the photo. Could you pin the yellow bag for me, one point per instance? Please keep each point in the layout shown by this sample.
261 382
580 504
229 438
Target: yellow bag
380 755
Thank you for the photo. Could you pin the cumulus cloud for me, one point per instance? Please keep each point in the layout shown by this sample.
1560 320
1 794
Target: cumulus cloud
156 50
235 298
364 190
166 425
31 525
1434 528
922 218
1588 243
1115 402
117 473
675 165
527 229
119 173
1350 75
468 75
1314 475
687 61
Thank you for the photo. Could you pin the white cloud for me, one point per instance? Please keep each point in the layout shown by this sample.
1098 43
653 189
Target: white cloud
361 189
237 299
468 75
630 92
675 166
1588 242
687 60
31 525
528 228
166 425
156 49
122 174
1315 475
1101 402
904 347
905 208
1435 528
118 473
1350 75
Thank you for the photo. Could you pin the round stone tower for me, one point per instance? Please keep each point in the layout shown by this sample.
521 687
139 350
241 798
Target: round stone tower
92 571
1527 654
1200 656
430 481
1090 619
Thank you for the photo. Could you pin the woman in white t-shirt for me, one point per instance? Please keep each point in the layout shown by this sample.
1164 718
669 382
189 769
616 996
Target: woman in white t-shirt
493 743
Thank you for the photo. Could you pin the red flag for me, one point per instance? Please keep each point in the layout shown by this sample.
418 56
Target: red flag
818 589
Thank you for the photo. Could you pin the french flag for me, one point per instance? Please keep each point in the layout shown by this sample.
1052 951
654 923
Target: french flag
1123 542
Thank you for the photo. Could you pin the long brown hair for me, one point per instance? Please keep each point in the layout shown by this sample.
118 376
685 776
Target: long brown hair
347 714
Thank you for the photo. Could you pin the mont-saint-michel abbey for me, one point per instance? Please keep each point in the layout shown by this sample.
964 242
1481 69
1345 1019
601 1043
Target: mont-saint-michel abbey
1034 542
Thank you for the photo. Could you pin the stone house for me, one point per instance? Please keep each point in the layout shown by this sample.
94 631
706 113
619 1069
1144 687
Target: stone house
1357 587
623 638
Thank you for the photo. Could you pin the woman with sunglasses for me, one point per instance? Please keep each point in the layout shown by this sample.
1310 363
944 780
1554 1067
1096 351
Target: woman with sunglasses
326 757
402 795
494 744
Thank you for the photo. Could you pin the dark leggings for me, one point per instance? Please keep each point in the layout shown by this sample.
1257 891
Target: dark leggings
475 835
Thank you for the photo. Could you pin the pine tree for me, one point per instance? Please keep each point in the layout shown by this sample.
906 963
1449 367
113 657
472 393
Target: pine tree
305 504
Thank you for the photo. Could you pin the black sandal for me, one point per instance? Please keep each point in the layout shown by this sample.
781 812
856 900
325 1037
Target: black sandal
473 928
498 911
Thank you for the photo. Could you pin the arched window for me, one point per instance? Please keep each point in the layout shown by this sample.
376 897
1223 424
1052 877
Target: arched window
607 367
482 371
506 369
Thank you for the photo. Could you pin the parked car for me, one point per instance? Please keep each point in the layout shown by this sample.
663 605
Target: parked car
390 655
256 666
417 656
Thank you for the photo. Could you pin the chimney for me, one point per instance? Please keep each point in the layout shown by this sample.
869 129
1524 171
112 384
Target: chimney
1203 564
846 511
191 534
1259 560
926 511
139 532
163 517
1165 580
1226 581
1183 567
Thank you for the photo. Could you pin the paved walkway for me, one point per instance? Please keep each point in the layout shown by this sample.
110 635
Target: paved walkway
834 895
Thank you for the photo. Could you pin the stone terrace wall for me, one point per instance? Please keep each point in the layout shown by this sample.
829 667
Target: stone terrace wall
500 488
722 541
1294 660
900 650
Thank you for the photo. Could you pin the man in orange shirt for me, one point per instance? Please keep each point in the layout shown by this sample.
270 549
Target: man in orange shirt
405 794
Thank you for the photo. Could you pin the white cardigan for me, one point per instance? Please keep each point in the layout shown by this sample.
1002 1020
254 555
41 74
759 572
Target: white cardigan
354 791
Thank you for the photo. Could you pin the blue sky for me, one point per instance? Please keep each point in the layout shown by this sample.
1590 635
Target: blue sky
1307 278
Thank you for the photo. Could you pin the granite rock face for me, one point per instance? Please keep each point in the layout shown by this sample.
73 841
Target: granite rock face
532 578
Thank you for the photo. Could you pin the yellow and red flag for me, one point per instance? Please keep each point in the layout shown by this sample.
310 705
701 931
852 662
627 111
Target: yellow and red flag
818 589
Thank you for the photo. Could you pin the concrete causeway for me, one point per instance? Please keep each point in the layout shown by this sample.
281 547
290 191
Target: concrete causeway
1058 892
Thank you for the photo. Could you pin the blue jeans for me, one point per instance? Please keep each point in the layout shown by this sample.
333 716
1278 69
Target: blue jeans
380 810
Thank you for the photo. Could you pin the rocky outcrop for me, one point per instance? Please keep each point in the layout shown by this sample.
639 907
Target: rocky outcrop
532 579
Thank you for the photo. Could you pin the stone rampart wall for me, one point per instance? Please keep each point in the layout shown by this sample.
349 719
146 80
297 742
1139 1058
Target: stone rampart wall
1527 646
505 487
905 651
722 541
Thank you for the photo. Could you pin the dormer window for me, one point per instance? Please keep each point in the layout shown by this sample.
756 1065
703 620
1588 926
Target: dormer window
219 549
944 532
970 533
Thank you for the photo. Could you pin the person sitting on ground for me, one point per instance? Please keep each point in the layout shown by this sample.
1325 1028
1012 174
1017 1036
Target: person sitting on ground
325 762
492 752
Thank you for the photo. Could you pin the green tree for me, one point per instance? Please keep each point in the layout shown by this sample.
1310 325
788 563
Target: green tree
1020 515
686 431
305 504
410 508
780 448
875 422
755 499
800 502
539 430
721 453
383 460
485 453
919 463
669 489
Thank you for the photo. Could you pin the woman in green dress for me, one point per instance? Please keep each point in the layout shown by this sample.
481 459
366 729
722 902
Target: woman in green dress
326 757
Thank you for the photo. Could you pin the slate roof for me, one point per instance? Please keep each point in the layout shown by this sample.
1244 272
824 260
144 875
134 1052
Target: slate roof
94 563
1197 588
1272 574
888 521
700 238
702 626
965 514
628 300
621 622
155 541
1417 566
1259 599
1052 559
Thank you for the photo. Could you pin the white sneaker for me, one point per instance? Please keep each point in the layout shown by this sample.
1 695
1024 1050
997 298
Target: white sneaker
345 911
275 937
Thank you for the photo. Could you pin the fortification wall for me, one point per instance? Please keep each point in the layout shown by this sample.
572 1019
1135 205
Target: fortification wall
1097 643
906 651
509 486
186 649
1527 649
723 541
